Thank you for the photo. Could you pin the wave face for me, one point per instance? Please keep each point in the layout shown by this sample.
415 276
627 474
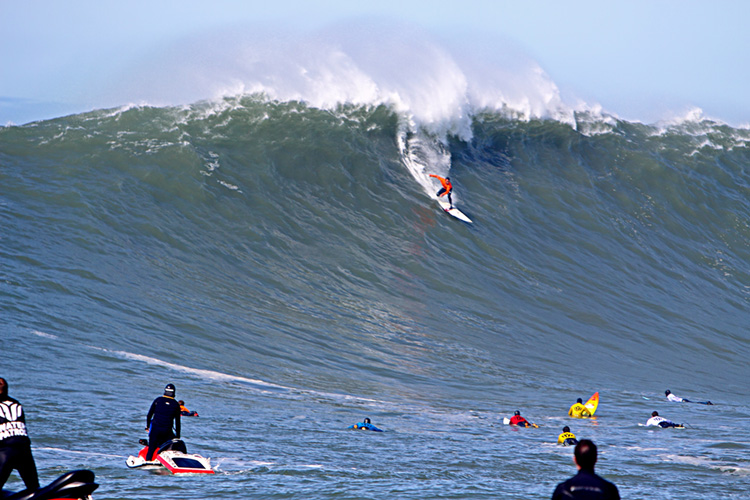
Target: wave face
278 261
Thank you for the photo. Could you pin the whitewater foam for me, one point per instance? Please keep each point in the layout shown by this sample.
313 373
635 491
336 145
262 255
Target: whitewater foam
436 90
45 335
401 66
261 385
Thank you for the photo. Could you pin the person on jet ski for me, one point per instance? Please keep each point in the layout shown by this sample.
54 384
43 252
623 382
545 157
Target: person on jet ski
164 412
15 445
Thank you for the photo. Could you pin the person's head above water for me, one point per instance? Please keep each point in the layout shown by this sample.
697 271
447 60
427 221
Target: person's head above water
655 414
366 420
566 429
169 390
517 413
585 455
579 400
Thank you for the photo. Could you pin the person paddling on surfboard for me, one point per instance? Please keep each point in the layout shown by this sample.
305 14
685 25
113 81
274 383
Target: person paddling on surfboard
675 399
662 422
678 399
567 438
518 420
446 189
366 425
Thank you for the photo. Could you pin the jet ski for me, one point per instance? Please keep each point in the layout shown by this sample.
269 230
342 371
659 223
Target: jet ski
173 456
78 484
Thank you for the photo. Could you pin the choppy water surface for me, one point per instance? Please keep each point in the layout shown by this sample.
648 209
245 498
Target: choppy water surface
286 268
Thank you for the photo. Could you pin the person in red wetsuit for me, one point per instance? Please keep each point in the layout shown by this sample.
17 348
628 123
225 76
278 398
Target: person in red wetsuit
518 420
446 189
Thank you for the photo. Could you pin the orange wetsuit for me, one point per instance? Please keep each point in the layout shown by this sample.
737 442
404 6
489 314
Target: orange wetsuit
447 187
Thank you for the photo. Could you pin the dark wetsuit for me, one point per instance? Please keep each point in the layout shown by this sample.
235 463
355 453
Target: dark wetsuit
445 191
15 445
164 410
586 486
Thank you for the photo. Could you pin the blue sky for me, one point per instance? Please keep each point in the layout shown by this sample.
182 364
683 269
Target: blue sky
641 60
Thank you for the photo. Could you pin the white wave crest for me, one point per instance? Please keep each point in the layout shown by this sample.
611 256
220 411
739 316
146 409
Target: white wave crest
438 87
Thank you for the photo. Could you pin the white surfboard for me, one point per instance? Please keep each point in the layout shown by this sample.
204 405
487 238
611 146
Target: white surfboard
454 211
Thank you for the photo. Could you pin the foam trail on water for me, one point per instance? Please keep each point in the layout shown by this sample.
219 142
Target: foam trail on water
225 377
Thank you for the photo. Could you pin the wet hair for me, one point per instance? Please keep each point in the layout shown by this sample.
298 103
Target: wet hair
579 400
667 392
367 420
585 454
566 429
655 413
181 402
517 413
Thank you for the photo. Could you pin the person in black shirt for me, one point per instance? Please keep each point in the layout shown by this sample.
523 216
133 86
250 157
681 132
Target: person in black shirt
586 485
15 445
165 411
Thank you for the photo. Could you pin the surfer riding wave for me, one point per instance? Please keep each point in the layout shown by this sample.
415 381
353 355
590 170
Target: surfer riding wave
446 189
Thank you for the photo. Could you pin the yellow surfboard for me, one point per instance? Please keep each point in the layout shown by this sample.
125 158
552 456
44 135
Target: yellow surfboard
592 403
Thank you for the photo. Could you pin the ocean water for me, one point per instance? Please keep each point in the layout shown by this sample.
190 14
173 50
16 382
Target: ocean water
287 267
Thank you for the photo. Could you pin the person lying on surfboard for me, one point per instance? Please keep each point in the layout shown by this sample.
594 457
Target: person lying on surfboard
567 438
675 399
446 189
678 399
578 410
661 421
518 420
365 426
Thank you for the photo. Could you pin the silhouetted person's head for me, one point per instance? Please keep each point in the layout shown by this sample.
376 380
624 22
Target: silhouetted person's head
585 455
